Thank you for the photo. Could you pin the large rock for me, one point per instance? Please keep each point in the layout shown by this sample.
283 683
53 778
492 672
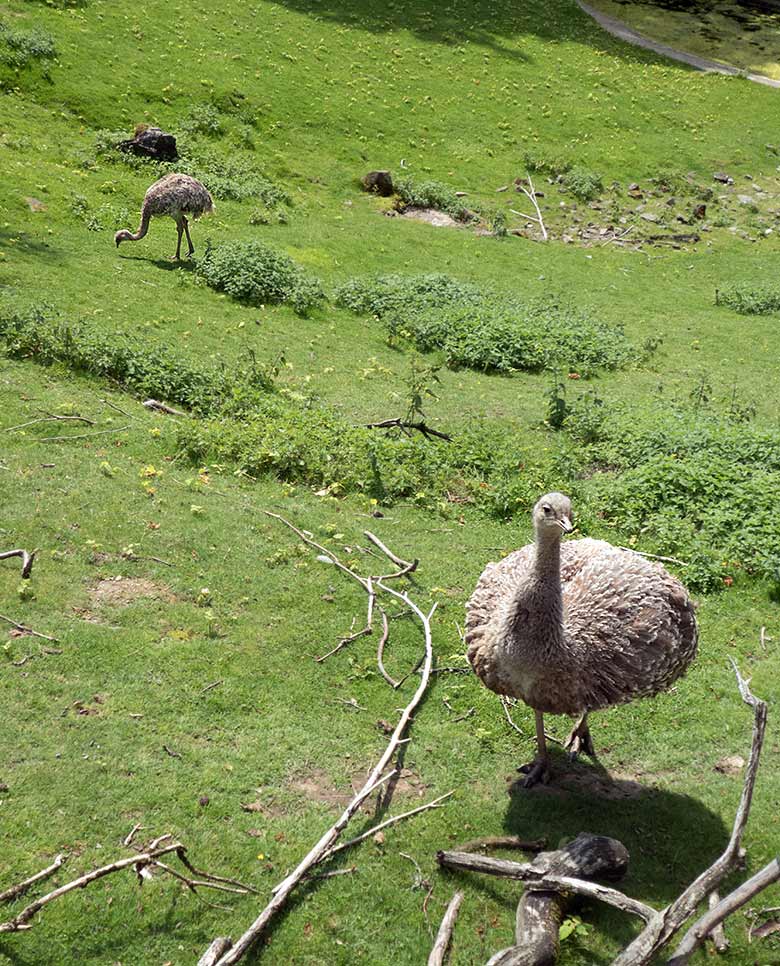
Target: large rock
378 182
151 142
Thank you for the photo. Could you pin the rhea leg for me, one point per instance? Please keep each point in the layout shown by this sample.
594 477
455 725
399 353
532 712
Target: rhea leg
538 770
579 739
179 230
189 240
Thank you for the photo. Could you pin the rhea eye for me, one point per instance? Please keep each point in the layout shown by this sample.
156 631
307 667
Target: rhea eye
547 508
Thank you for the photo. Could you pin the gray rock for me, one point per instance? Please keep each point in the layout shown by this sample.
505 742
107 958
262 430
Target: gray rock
722 177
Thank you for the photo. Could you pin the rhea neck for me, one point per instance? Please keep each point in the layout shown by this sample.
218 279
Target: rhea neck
547 557
535 615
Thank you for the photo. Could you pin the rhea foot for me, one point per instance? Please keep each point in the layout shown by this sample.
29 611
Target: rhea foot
579 740
537 772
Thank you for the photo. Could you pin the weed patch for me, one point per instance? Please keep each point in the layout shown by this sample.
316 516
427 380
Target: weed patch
431 194
478 329
750 299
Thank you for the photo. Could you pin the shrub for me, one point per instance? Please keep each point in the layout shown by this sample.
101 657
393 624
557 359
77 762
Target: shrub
540 163
750 299
431 194
20 46
482 330
254 273
203 119
583 184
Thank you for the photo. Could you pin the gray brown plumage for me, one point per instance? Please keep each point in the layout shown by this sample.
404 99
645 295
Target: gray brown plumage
176 195
574 627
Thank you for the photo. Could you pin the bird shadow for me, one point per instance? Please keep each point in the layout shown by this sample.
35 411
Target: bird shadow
167 264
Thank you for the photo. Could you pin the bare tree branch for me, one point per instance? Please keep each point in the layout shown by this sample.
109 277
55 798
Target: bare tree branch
405 425
20 887
444 935
27 560
27 630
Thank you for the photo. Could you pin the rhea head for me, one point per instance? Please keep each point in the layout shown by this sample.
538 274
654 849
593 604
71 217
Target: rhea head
552 515
124 234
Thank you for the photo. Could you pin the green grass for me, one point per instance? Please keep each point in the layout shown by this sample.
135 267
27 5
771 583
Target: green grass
305 98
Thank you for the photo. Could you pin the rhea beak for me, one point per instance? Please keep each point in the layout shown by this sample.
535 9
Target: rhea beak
565 524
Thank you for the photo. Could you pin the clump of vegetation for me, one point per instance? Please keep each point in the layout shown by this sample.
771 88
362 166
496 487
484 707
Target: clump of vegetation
20 46
583 184
483 330
431 194
254 273
750 299
540 163
203 119
135 365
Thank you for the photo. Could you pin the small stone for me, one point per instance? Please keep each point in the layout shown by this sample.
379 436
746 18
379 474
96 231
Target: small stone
379 838
647 216
722 177
35 205
203 801
700 212
730 765
3 787
378 182
746 199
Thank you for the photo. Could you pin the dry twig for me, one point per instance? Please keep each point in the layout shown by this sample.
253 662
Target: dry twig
531 195
20 887
27 630
444 935
405 425
27 559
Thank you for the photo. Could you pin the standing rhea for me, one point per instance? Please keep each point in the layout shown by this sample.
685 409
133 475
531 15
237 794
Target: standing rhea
576 627
177 195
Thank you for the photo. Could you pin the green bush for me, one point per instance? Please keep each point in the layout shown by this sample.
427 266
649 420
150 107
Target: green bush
20 46
431 194
254 273
750 299
482 330
537 162
583 184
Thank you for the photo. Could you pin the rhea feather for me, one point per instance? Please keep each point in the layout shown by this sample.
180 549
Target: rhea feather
573 627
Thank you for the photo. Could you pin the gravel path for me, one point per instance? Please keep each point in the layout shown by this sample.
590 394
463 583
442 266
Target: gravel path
619 29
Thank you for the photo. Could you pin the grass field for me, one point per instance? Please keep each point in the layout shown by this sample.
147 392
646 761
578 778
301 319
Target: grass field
311 95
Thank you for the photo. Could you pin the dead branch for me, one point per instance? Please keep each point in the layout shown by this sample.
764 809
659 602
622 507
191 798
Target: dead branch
162 407
541 881
531 196
502 842
405 425
718 913
444 934
50 418
378 774
369 833
27 560
343 641
141 862
380 653
20 887
27 630
717 935
663 926
102 432
215 951
405 565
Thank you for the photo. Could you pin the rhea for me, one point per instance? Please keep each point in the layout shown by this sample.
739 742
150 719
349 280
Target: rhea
573 627
176 195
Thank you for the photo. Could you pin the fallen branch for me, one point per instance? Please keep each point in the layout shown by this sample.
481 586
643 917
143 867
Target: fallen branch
27 630
322 850
663 926
405 425
380 654
502 842
717 935
27 560
21 887
535 879
712 919
49 418
162 407
531 195
444 935
149 856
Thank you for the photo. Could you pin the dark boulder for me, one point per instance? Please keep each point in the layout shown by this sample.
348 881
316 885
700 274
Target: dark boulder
151 142
378 182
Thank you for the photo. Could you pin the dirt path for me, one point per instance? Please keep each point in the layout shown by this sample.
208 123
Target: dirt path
619 29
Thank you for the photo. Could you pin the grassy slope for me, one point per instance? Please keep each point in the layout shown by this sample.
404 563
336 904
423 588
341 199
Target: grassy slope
557 82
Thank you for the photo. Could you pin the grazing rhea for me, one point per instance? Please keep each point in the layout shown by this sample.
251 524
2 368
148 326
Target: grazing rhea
576 627
176 195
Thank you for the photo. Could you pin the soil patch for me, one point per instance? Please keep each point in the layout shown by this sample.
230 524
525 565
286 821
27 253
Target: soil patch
122 591
431 216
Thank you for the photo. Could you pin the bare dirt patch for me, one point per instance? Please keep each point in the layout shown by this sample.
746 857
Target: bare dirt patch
122 591
431 216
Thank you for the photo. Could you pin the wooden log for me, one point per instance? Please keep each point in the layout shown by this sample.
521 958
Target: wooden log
540 914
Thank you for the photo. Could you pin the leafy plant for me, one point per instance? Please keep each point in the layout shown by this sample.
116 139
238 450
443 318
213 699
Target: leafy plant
583 184
431 194
750 299
254 273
